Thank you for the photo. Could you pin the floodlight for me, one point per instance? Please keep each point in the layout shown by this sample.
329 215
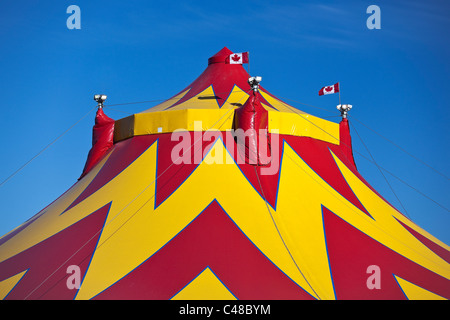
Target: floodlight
100 98
344 108
254 82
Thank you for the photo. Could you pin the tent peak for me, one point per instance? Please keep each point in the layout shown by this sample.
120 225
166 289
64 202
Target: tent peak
223 52
220 56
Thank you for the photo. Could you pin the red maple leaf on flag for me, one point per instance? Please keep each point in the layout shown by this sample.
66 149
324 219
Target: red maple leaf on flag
329 88
236 57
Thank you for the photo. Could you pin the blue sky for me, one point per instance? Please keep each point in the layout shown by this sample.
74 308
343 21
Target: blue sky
394 77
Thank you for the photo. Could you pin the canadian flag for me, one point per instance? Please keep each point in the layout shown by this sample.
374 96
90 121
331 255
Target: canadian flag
329 89
238 58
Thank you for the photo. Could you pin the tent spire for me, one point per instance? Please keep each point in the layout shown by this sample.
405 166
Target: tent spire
252 119
102 136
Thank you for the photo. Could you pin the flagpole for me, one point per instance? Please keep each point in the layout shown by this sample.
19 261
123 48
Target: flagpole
249 65
339 86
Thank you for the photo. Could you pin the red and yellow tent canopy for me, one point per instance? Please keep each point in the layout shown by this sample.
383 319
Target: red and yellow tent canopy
140 224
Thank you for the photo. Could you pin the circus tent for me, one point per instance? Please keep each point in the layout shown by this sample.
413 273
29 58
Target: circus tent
171 204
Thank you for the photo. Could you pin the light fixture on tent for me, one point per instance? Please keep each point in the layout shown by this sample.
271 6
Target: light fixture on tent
100 98
344 109
254 82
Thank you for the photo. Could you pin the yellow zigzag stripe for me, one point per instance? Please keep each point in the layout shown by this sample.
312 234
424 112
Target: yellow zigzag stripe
414 292
9 283
206 286
149 229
